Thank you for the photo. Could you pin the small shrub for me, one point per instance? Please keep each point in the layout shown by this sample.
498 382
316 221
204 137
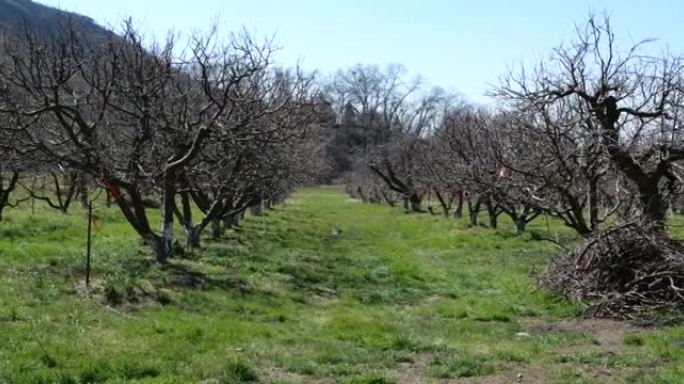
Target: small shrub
371 379
460 366
14 314
633 339
403 342
48 360
135 371
513 356
118 287
165 296
96 373
65 378
238 371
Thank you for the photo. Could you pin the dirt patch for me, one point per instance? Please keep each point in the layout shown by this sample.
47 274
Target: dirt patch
414 371
604 337
607 335
549 374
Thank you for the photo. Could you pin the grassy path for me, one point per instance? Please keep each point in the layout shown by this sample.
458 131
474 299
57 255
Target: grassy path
323 289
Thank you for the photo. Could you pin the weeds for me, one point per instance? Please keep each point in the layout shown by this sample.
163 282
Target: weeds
288 302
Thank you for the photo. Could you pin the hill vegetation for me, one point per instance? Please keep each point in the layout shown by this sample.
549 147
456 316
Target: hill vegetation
18 15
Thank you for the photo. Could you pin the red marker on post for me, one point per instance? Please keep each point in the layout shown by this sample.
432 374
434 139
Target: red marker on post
112 189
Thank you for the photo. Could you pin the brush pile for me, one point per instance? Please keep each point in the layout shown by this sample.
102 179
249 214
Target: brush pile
631 272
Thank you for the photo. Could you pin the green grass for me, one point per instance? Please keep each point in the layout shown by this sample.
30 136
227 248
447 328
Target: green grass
284 300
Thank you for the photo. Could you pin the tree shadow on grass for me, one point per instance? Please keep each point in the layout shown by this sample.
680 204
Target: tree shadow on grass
185 276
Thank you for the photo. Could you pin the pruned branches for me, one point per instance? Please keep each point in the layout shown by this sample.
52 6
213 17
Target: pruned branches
628 272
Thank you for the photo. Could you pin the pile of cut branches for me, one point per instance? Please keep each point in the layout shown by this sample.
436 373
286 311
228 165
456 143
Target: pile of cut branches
631 272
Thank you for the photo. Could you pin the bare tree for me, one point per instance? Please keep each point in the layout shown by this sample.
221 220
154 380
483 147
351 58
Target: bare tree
126 115
57 188
626 102
398 161
7 185
250 152
11 163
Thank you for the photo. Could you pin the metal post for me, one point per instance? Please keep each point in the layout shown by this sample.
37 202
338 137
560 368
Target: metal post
89 241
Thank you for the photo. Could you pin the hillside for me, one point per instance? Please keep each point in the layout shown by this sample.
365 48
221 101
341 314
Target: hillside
16 14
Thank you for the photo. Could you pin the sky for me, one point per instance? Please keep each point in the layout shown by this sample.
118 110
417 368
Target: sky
462 46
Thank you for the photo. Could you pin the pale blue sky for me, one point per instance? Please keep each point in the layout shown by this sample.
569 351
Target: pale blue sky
459 45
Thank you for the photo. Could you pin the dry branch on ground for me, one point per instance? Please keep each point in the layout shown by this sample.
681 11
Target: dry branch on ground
628 272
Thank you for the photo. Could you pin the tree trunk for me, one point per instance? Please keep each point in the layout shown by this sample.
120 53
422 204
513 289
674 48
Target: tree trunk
654 206
414 202
83 192
134 211
232 221
458 212
389 201
593 204
5 191
256 209
194 240
192 231
443 202
653 203
520 225
216 229
473 211
493 214
168 205
362 196
162 250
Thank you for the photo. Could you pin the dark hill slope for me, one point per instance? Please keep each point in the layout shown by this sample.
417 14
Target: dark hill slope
15 15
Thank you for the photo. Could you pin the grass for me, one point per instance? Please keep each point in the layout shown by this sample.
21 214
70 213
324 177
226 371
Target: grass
285 300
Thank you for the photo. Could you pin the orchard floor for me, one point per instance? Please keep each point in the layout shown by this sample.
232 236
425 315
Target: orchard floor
323 289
